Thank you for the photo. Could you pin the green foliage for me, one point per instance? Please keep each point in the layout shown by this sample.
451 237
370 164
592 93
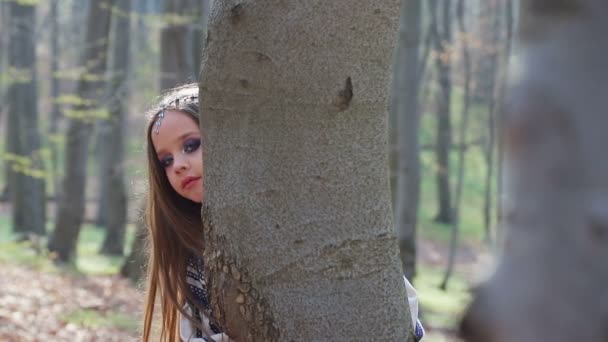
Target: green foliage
69 74
23 2
73 99
15 76
88 114
24 164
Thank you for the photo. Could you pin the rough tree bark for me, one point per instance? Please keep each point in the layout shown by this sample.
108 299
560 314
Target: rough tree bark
442 39
550 284
112 130
404 109
91 88
26 175
297 221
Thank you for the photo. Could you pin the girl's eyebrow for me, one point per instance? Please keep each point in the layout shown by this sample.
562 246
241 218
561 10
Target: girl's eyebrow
160 152
185 135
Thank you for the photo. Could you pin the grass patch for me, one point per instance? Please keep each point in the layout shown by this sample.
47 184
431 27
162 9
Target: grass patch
472 202
23 253
88 260
441 309
94 319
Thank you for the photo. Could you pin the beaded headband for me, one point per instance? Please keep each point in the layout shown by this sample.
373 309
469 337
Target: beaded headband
161 114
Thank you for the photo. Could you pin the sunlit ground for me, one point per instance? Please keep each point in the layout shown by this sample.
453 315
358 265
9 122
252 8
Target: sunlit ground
89 300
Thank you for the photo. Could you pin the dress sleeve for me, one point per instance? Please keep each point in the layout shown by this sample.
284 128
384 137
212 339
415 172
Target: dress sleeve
412 298
189 333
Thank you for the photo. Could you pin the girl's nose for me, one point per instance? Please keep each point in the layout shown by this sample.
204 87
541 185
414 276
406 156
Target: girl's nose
180 164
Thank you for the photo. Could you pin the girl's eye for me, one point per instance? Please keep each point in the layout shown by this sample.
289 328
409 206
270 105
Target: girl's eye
166 161
191 145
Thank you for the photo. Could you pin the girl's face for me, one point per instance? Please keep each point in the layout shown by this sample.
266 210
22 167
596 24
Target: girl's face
179 150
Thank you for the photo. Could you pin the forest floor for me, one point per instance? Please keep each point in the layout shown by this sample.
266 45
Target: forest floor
440 310
40 302
62 305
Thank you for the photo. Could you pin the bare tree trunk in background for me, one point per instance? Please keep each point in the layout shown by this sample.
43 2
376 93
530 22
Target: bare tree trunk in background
464 126
177 62
71 206
550 284
134 266
199 34
55 116
294 107
102 190
426 76
427 47
509 20
4 36
405 109
27 169
113 161
443 42
487 91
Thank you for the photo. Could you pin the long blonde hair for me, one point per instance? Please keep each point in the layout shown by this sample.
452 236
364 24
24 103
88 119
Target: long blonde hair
174 227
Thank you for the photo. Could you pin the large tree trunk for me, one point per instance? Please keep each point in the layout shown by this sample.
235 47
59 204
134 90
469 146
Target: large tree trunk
442 41
177 62
27 174
298 230
91 89
406 85
550 284
112 131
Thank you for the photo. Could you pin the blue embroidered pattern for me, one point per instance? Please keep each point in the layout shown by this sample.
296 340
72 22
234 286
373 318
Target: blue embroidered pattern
418 331
198 289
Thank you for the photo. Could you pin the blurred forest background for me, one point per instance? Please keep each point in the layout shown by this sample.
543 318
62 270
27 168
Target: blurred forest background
76 77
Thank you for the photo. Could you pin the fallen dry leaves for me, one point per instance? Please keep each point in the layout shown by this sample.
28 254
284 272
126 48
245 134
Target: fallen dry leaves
33 305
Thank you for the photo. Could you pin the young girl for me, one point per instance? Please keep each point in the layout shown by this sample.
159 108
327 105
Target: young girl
175 167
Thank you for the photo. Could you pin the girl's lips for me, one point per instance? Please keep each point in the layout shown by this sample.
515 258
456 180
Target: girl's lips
189 182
